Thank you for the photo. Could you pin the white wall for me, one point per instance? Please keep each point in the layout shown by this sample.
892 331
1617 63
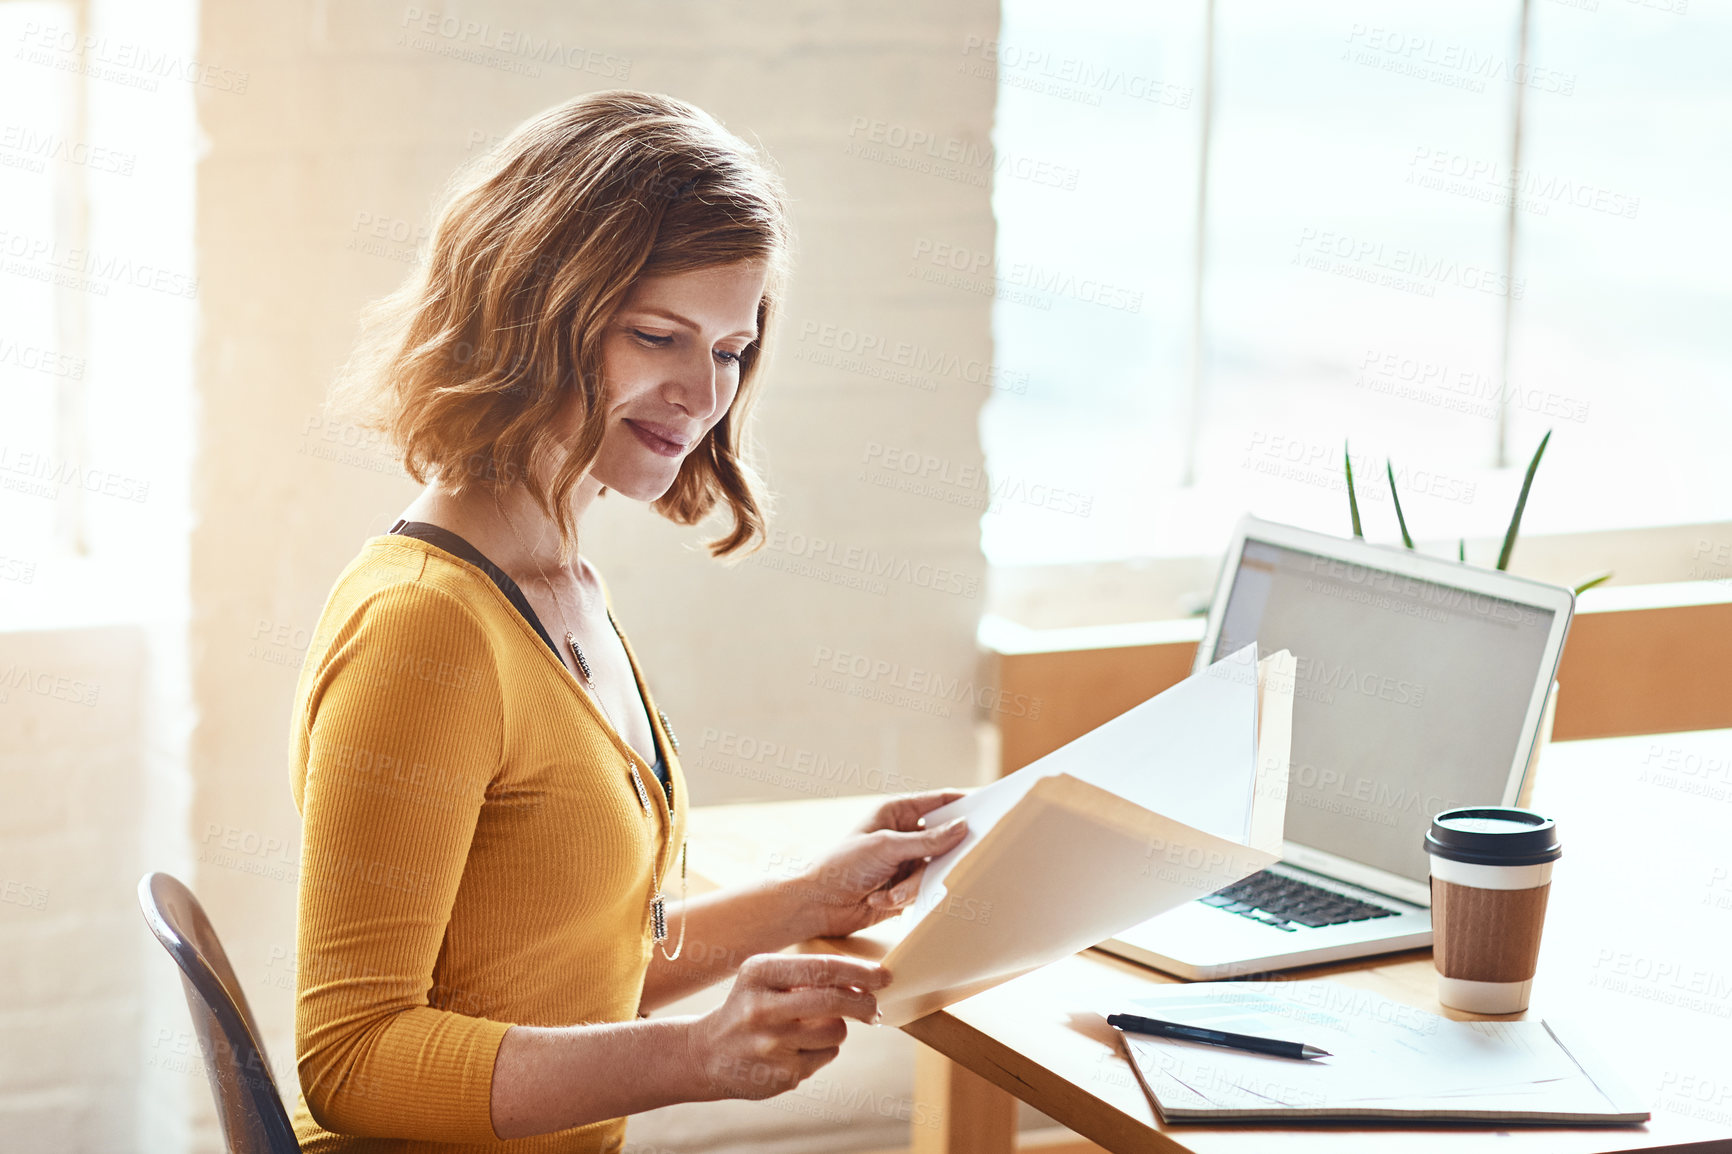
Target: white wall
71 780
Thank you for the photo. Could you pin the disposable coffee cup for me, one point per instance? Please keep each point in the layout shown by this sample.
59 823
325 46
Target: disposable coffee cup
1491 873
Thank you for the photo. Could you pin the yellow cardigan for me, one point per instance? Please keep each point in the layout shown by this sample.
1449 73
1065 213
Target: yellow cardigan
474 856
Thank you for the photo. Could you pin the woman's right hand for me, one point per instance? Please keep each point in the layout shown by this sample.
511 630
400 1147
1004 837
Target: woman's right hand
782 1022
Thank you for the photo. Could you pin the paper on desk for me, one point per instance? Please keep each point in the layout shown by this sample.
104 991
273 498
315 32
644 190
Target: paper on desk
1379 1048
1384 1055
1165 803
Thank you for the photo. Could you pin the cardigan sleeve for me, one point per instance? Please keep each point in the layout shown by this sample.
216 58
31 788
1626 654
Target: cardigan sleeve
404 734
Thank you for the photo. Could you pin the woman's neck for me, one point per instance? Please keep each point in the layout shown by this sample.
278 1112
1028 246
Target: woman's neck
507 527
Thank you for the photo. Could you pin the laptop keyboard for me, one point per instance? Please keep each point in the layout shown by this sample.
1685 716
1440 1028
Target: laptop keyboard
1288 904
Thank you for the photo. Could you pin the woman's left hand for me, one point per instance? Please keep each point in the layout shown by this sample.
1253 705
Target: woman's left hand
876 871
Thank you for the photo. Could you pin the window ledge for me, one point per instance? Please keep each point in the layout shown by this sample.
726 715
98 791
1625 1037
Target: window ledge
1004 636
1147 589
1007 638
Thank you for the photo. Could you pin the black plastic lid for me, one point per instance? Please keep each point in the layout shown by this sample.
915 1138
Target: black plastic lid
1496 835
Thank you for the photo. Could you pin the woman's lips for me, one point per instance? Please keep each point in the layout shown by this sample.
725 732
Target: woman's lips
657 439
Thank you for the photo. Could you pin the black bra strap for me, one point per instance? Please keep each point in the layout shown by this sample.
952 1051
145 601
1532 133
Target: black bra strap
458 547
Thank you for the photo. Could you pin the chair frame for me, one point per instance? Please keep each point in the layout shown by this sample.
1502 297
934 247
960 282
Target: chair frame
254 1120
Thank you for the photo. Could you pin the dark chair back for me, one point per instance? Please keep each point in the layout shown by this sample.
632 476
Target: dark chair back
253 1118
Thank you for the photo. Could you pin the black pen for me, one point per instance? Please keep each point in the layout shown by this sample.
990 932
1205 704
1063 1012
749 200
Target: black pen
1154 1026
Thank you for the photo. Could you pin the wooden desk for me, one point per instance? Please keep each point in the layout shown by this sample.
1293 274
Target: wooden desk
1638 940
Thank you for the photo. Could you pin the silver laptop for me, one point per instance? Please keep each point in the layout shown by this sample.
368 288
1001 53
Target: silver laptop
1420 686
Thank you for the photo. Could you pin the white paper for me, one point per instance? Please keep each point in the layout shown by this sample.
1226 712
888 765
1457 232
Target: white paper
1089 841
1181 753
1383 1055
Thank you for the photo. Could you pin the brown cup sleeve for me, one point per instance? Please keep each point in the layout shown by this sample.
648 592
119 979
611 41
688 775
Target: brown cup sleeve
1487 935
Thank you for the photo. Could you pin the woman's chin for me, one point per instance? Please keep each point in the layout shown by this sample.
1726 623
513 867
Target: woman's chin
642 488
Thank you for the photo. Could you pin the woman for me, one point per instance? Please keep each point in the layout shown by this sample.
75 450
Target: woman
493 807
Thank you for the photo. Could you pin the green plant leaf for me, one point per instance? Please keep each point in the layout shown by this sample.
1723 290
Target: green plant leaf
1594 580
1461 549
1352 501
1515 521
1389 468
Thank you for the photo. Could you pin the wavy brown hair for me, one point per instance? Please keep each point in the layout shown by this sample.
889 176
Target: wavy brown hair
464 367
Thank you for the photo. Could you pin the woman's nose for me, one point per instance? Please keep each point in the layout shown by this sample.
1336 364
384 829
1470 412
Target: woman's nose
696 386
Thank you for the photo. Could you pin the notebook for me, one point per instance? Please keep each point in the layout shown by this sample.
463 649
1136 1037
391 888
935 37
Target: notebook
1388 1061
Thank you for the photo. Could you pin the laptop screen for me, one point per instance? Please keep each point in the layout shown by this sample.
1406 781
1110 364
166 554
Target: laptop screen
1409 696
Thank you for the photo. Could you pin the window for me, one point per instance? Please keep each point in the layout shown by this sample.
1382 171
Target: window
1361 274
42 359
98 301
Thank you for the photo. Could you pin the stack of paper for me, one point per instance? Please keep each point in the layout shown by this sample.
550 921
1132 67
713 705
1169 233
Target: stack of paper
1168 802
1386 1060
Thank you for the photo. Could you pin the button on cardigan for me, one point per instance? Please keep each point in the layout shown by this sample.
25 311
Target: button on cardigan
474 855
